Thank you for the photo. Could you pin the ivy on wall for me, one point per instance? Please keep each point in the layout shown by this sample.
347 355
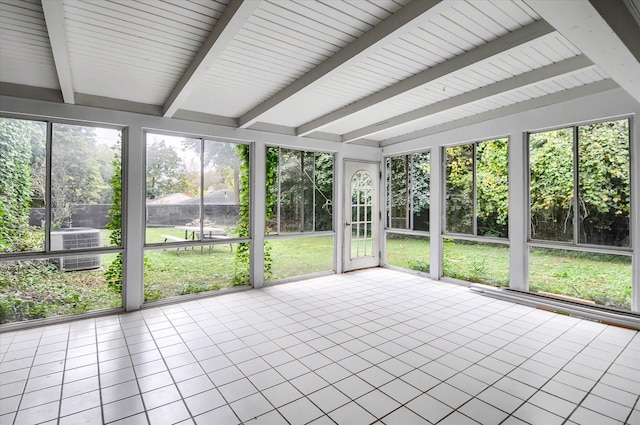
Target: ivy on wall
15 182
243 254
113 274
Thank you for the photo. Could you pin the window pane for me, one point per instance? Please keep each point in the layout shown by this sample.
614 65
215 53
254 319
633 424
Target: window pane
294 194
459 184
36 289
476 262
600 279
272 183
173 187
398 170
173 272
551 185
324 191
362 203
299 191
299 256
604 185
22 185
408 251
492 181
84 197
420 182
222 190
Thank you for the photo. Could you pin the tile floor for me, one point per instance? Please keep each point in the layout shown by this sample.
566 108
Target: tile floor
376 346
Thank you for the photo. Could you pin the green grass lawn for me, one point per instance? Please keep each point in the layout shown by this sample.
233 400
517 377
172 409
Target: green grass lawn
299 256
31 289
604 279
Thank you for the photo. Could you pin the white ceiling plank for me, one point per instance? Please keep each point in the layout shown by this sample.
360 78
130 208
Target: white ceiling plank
539 102
580 22
532 77
493 48
398 24
53 11
230 22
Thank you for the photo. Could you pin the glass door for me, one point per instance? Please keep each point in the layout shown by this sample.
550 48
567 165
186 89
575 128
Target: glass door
361 215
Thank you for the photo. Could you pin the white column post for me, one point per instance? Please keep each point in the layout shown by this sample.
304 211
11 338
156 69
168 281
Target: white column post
518 211
258 210
338 209
435 213
634 134
134 218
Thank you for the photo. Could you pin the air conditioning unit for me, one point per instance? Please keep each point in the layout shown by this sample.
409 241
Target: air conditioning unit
76 238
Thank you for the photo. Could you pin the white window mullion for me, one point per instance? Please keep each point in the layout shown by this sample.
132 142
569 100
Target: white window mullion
519 219
134 175
258 210
437 217
634 234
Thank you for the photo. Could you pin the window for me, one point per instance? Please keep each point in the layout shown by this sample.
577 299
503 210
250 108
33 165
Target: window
60 191
299 191
193 189
580 185
579 188
408 191
477 189
197 200
299 199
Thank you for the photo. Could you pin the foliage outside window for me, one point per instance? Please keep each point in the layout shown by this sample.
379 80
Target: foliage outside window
300 197
477 188
197 192
78 204
408 191
592 207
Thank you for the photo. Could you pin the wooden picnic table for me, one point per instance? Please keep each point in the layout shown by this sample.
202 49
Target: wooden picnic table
207 232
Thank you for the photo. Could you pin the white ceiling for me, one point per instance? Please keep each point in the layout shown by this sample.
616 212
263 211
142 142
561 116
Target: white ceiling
375 72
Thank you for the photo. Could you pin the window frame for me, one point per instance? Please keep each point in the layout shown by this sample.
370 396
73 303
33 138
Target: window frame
443 168
576 245
47 253
192 242
388 193
305 233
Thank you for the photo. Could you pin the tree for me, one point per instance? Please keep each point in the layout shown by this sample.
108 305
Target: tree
604 183
459 195
165 170
492 188
223 162
75 172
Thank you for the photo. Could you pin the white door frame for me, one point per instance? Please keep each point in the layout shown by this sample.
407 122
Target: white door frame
369 255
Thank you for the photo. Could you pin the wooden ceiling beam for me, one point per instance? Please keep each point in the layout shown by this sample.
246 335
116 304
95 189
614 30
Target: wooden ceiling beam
528 105
231 21
528 78
498 46
396 25
53 11
605 31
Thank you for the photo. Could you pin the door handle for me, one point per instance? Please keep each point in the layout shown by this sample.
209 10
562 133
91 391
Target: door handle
347 224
